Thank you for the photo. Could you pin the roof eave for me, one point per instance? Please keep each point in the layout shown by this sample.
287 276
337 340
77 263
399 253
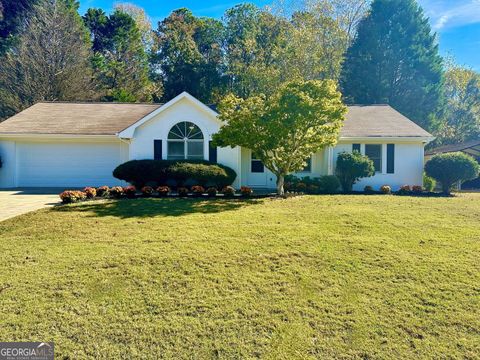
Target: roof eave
422 139
57 136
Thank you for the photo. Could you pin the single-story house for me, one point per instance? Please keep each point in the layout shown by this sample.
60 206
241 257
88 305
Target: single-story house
55 144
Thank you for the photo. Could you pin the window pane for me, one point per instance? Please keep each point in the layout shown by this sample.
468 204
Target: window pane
257 166
184 130
195 150
374 152
176 150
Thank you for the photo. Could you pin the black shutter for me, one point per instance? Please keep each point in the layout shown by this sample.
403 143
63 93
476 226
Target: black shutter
157 149
212 152
390 158
356 147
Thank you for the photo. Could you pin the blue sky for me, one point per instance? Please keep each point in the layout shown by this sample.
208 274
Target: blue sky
457 22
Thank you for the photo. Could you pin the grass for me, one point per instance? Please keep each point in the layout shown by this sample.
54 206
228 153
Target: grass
345 277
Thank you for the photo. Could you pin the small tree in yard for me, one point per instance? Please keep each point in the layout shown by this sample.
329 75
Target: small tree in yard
451 168
285 129
351 167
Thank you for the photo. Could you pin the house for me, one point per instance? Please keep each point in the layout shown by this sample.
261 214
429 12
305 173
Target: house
79 144
471 148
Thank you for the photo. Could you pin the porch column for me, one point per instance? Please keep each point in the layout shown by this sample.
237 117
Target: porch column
330 160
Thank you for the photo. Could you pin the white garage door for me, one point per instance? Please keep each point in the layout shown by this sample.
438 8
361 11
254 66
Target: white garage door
67 164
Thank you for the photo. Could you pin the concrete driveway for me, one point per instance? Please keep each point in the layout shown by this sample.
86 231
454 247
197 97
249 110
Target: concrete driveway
20 201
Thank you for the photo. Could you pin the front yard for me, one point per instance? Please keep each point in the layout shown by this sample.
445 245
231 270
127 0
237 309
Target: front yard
308 277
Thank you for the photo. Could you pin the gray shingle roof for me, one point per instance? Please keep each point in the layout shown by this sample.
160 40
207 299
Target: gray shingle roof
76 118
379 121
472 147
111 118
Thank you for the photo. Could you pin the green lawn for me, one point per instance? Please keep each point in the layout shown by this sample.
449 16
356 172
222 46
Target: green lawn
377 277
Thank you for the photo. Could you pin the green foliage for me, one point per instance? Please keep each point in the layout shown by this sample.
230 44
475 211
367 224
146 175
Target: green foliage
202 173
352 167
328 184
429 183
49 62
188 53
394 59
120 61
12 14
161 172
451 168
286 128
461 120
254 42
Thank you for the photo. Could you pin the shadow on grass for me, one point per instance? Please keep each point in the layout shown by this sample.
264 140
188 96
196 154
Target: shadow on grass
158 207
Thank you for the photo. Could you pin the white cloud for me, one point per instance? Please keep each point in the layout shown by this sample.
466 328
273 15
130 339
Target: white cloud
446 14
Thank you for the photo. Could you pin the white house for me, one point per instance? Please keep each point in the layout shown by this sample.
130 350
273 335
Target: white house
80 144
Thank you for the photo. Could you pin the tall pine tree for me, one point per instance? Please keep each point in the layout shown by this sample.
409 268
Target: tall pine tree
49 60
12 16
120 61
394 59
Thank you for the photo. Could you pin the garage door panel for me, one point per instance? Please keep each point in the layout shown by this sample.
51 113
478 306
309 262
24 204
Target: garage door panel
67 164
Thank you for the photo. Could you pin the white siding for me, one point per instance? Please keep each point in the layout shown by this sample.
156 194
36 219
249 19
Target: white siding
408 164
7 172
141 146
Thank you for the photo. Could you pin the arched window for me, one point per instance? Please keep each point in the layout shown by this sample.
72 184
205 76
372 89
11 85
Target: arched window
185 141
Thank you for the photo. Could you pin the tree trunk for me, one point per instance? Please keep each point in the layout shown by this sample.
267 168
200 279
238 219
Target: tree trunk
446 188
280 183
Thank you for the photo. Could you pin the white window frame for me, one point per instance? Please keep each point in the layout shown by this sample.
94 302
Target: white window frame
186 140
382 156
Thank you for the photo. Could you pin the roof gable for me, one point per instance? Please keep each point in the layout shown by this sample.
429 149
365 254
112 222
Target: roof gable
130 130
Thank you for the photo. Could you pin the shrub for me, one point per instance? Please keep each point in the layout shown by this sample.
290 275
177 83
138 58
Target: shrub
72 196
198 190
163 190
147 191
368 189
246 191
116 192
229 191
182 191
212 191
449 169
103 191
142 172
352 167
130 191
328 184
417 189
385 189
404 190
90 192
429 183
301 187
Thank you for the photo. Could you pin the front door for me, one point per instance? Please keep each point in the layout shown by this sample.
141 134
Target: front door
257 174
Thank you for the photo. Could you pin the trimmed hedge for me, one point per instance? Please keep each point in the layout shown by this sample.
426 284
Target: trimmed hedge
175 173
